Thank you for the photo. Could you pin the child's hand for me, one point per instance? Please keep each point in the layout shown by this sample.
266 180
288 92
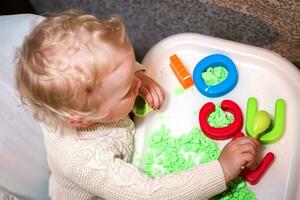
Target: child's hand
153 93
237 153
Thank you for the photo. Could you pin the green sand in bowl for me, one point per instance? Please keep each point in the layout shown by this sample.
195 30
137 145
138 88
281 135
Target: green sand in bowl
214 75
219 118
167 154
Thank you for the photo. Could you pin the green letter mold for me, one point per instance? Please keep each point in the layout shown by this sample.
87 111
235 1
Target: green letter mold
278 122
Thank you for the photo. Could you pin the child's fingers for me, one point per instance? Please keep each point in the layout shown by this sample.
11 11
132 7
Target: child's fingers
151 91
157 95
161 95
248 148
156 100
246 139
242 145
145 92
256 142
247 159
151 96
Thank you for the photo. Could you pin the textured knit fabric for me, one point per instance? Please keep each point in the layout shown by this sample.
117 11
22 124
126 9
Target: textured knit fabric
93 163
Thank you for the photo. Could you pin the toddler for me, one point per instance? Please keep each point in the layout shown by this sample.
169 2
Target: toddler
79 77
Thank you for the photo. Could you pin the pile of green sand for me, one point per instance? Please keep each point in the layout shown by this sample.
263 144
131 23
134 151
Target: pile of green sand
219 118
214 75
168 154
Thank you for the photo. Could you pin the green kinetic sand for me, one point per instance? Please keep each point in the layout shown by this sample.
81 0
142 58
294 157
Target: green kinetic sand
219 118
179 91
214 75
168 154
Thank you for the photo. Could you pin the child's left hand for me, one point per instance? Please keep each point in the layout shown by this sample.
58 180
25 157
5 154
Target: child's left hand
153 93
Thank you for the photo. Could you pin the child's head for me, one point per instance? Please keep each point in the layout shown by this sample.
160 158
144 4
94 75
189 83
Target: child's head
74 69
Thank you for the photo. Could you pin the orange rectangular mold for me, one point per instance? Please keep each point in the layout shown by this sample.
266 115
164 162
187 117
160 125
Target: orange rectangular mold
180 71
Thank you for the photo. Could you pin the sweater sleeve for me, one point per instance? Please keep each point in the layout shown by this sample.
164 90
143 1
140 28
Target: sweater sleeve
110 177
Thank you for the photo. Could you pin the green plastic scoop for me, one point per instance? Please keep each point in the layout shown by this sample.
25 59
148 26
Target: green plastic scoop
261 122
141 108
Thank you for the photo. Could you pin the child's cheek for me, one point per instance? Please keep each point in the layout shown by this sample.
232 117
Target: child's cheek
127 104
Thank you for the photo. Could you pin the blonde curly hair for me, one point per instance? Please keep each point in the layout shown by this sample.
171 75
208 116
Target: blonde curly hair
53 84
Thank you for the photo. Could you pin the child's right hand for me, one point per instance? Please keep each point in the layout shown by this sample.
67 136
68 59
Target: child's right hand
151 90
238 152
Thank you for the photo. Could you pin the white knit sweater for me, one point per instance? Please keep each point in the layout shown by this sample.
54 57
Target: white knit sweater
93 163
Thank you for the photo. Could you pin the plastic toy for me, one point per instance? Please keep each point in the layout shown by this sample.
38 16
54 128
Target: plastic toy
234 131
225 132
222 88
278 125
253 176
141 108
180 71
261 122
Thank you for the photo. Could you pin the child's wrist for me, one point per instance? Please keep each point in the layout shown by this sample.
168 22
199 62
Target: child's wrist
225 172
